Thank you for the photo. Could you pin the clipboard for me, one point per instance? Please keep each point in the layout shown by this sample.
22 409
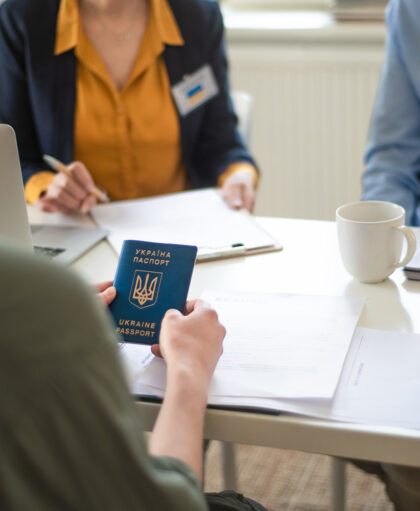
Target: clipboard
199 217
263 244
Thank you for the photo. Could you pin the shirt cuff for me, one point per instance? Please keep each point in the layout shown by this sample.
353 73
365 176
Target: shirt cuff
37 184
235 167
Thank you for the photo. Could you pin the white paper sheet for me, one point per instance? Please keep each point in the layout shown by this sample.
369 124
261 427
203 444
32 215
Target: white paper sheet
283 345
276 345
379 385
381 380
199 218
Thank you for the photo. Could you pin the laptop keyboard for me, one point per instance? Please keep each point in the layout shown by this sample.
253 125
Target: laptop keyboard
48 251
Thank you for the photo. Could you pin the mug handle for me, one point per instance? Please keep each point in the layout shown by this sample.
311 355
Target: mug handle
411 245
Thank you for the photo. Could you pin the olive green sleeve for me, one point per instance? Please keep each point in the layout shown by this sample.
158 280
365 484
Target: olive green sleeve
71 437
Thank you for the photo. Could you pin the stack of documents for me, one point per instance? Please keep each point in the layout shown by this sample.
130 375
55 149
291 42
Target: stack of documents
291 353
199 218
380 383
303 355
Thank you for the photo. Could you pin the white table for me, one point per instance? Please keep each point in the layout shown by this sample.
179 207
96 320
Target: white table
308 264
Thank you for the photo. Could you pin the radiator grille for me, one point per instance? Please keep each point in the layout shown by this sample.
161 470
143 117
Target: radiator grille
309 124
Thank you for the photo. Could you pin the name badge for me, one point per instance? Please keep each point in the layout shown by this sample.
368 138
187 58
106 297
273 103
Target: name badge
194 90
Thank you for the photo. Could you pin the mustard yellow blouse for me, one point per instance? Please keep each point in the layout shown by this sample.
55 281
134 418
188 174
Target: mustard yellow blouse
130 139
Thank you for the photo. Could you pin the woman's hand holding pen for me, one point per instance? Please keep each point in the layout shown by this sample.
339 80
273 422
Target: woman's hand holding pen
69 192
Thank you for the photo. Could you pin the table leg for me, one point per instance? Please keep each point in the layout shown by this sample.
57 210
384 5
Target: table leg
228 465
338 484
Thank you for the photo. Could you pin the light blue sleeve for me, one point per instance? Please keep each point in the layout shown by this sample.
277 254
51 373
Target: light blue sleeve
392 160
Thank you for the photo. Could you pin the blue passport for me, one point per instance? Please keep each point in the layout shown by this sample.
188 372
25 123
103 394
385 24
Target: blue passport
150 279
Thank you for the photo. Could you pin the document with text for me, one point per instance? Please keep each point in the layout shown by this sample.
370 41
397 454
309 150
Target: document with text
379 385
276 346
380 382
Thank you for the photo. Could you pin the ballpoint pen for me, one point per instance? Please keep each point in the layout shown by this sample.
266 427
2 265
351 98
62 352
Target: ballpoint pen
58 166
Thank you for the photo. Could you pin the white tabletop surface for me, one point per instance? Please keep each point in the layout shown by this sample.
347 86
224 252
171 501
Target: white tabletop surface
308 264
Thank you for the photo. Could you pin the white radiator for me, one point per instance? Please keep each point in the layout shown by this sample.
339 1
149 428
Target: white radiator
310 118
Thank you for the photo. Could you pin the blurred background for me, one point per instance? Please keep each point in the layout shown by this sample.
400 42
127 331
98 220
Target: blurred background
312 68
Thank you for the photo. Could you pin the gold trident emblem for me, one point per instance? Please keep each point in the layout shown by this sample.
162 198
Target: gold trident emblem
144 291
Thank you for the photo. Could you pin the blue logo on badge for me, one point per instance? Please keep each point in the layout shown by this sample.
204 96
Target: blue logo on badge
195 93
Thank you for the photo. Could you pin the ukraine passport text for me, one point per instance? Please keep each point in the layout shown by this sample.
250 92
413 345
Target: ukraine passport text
150 279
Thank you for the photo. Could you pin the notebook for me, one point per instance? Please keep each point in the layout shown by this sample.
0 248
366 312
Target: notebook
64 244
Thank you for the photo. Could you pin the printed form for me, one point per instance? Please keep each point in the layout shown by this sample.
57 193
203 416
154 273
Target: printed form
379 385
381 380
277 346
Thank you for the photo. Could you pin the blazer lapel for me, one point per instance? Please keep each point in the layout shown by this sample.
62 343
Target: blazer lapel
63 103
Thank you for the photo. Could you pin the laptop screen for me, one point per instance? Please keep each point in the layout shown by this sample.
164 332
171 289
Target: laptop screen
63 243
14 224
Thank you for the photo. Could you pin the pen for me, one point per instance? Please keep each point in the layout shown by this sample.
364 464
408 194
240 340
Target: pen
58 166
235 249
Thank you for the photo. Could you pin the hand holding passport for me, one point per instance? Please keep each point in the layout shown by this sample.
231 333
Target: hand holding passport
150 279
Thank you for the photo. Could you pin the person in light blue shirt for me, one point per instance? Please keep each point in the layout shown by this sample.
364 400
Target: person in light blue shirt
392 173
392 170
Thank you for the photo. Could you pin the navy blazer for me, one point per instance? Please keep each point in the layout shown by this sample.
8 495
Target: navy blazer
38 89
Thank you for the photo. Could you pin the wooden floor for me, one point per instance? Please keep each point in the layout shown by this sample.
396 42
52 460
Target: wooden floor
293 481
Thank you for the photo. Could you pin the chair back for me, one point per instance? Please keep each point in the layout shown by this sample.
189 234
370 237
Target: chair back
242 103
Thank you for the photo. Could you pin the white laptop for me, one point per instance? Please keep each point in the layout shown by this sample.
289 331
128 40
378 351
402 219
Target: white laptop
63 244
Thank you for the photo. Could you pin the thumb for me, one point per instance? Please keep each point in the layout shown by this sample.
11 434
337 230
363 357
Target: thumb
108 295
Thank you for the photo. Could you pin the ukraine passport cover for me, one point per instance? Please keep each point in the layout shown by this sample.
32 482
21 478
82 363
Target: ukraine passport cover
150 279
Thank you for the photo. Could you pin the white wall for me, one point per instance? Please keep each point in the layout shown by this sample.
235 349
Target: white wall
313 92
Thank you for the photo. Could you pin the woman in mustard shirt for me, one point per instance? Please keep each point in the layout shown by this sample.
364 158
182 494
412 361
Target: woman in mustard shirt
132 95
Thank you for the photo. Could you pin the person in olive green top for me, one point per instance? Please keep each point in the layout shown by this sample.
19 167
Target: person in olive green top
71 438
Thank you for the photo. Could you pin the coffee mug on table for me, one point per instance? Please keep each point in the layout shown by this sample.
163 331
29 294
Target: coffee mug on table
370 237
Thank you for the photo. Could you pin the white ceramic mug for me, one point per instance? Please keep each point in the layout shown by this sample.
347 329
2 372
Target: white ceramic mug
370 237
